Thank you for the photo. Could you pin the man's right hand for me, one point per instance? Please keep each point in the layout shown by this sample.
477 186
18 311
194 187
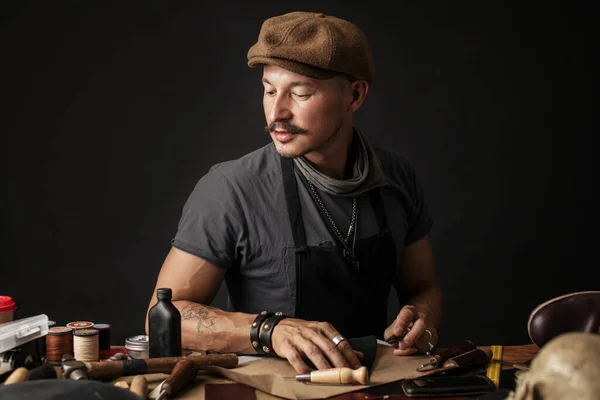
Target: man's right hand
297 340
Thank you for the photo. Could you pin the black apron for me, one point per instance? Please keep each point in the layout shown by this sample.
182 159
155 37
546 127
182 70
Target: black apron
330 288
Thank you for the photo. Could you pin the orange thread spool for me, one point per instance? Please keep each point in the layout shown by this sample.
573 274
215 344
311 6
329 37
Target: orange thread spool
59 341
80 324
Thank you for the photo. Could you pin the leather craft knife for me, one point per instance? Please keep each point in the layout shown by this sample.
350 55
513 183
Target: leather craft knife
182 375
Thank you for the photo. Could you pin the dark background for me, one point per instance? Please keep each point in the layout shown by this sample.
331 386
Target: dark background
113 111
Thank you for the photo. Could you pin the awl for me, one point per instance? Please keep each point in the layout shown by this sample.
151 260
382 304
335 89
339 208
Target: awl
335 376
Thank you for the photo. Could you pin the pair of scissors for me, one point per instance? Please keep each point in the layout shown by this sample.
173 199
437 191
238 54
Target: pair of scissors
395 339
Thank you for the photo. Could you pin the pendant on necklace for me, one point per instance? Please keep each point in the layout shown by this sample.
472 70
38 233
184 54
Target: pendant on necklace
351 258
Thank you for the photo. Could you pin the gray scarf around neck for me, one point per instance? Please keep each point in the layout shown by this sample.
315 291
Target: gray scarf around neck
367 172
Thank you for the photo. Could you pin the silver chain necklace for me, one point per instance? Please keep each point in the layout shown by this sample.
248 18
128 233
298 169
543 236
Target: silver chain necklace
348 251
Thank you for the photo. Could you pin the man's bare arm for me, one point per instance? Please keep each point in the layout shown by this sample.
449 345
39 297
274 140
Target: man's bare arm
424 307
195 282
418 278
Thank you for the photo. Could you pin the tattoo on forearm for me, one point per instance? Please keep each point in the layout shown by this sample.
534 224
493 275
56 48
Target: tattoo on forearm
194 311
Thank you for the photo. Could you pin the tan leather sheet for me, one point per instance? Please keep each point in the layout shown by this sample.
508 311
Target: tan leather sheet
267 375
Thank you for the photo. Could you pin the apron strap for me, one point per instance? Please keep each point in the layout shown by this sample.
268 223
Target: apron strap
293 202
377 204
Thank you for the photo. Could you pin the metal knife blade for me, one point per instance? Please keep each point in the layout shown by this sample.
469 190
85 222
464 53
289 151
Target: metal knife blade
156 392
182 375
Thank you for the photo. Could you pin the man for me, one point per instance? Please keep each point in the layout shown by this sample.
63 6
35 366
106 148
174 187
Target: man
317 226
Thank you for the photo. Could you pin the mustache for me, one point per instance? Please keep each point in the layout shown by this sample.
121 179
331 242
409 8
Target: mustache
285 126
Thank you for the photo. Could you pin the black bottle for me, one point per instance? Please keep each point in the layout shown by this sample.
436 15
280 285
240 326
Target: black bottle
164 327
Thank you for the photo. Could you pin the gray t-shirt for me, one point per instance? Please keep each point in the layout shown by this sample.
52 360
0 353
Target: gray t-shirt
236 218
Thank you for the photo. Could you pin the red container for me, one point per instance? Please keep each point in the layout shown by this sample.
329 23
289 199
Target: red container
7 309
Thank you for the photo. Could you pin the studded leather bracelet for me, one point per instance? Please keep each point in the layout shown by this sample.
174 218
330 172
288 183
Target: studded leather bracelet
267 331
255 328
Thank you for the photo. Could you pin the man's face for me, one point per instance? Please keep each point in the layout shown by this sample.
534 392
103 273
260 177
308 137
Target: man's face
304 115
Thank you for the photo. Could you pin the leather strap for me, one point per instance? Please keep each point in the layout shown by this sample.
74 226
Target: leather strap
254 329
293 202
267 331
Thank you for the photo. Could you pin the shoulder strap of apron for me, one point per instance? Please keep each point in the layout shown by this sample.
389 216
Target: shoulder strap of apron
377 204
293 202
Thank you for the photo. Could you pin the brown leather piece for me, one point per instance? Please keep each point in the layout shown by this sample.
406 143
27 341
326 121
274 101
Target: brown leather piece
519 354
367 396
574 312
468 359
219 391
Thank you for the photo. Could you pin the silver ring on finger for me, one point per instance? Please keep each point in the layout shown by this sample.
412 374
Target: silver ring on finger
430 335
338 339
431 345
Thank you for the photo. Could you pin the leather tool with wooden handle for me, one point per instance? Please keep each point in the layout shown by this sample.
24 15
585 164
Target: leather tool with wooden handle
20 374
108 370
183 374
336 376
122 385
139 386
23 374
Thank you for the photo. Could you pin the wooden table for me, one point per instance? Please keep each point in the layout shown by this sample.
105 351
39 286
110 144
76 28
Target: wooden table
512 354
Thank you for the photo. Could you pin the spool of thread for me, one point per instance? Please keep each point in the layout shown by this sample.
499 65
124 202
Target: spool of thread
103 336
42 342
80 325
59 341
85 344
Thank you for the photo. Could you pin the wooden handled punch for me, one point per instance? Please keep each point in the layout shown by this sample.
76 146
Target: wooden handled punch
20 374
108 370
139 386
336 376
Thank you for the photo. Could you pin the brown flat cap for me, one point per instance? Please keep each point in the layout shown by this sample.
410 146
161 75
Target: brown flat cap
313 44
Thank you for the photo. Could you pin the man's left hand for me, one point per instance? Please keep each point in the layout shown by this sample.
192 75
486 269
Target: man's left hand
420 334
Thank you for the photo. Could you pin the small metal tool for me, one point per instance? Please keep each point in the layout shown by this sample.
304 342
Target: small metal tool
73 369
521 366
395 339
